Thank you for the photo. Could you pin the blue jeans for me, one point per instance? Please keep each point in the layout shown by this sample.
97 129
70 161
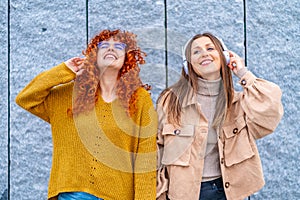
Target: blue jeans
212 190
77 196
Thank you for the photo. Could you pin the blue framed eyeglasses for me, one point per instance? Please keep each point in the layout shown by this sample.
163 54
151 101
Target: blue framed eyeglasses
117 45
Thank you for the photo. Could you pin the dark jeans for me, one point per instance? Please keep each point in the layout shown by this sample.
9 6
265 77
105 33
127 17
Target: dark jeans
212 190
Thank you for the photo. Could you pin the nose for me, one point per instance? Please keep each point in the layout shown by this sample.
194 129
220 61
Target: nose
204 53
110 47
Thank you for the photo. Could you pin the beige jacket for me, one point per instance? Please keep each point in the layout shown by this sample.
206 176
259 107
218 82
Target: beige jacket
255 113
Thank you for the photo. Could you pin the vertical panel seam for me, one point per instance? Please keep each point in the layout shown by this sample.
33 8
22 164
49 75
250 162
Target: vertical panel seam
8 99
245 30
166 41
87 21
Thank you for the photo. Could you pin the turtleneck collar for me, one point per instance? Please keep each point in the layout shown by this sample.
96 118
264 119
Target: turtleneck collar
209 88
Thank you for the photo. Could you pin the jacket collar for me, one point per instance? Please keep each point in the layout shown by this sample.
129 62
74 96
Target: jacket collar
191 98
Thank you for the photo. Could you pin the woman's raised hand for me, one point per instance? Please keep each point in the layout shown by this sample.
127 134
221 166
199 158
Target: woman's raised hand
75 64
236 62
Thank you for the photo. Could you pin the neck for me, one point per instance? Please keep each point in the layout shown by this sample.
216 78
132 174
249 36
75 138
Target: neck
108 81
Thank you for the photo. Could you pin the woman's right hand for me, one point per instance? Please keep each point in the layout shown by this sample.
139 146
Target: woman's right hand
75 64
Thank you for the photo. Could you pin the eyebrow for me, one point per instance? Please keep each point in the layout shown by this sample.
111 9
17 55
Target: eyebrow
206 45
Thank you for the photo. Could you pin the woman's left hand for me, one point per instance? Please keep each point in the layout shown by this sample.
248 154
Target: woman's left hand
75 64
236 62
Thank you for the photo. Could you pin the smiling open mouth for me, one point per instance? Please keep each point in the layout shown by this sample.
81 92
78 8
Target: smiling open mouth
110 56
206 62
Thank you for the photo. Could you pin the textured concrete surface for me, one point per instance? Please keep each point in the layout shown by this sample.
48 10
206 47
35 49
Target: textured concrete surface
146 19
3 102
187 18
273 30
45 33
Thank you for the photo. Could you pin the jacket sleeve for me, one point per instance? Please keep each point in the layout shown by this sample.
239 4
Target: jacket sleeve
261 102
33 97
145 158
162 179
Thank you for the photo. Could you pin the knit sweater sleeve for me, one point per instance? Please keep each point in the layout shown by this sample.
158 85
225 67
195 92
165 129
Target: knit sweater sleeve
145 159
33 97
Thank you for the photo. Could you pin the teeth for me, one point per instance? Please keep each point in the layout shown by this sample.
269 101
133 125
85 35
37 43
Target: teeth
205 62
110 56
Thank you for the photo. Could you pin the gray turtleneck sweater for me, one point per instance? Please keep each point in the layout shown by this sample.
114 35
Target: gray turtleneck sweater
207 97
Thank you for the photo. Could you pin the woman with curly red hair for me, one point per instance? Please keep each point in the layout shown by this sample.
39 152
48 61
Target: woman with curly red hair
103 121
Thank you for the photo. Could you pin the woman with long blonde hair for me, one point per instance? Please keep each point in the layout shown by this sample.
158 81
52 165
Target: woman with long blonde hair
207 131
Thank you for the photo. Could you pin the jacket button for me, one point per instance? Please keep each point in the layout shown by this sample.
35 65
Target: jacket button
227 184
235 130
177 132
243 82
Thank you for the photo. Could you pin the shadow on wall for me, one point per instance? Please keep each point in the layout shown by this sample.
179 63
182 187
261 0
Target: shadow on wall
4 195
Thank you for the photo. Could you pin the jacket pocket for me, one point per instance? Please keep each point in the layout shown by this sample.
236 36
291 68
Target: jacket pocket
237 147
177 144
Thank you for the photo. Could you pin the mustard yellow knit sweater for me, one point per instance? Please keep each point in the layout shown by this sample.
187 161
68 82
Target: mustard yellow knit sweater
102 152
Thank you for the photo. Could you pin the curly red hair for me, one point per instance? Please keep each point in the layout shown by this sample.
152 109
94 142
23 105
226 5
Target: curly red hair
87 85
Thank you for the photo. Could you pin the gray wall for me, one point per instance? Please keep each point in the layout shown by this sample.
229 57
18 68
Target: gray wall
36 35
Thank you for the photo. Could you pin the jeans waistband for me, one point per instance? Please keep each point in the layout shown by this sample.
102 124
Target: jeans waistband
218 182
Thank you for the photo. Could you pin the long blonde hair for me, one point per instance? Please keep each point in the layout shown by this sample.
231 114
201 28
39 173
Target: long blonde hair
174 95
